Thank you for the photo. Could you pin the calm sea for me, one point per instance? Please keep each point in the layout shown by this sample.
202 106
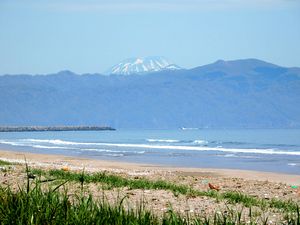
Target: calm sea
263 150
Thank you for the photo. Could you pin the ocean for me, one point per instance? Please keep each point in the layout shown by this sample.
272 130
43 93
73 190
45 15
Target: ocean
275 150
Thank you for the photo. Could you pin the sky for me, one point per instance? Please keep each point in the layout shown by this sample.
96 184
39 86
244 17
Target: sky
47 36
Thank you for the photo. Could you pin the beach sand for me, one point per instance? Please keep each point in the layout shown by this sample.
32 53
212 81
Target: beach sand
76 163
262 185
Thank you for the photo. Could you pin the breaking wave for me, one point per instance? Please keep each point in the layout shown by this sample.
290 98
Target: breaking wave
57 143
163 140
201 142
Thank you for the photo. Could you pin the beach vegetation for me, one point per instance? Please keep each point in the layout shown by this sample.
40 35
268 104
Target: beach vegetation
35 204
110 181
5 163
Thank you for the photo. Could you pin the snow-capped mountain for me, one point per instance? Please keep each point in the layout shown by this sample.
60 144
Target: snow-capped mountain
142 65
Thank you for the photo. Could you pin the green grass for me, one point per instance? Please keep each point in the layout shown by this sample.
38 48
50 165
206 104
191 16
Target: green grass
32 205
4 163
114 181
52 207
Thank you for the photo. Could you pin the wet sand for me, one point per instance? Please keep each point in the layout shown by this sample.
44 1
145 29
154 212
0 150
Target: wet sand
76 163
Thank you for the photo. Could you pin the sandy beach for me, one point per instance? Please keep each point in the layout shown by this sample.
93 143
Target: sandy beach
76 163
260 185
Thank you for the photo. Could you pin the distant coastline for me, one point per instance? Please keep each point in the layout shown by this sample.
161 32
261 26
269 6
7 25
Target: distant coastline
53 128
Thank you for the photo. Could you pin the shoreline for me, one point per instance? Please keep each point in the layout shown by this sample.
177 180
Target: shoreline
93 165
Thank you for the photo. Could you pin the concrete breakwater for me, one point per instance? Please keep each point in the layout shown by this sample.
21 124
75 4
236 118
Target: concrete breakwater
53 128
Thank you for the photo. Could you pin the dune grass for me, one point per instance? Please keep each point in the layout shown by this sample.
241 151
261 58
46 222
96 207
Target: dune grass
53 207
115 181
4 163
34 205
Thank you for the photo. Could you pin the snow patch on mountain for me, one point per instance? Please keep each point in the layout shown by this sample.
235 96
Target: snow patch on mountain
142 65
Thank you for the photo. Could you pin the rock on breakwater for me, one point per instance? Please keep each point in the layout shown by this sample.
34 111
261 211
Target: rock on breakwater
53 128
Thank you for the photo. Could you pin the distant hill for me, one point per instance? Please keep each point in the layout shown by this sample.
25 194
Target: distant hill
226 94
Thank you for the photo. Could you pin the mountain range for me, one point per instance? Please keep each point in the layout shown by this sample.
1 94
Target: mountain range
247 93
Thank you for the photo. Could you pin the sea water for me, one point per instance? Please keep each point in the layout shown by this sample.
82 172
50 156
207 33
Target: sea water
264 150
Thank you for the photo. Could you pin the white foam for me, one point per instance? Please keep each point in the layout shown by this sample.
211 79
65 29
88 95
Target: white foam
11 143
108 150
190 128
115 155
200 142
239 156
172 147
51 141
292 164
194 148
229 155
163 140
50 147
31 143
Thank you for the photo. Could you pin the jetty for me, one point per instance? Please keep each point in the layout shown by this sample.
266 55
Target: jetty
53 128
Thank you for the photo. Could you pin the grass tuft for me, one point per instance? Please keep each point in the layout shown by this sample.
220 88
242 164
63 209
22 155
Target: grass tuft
5 163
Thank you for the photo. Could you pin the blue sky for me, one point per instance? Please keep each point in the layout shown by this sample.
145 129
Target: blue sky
43 36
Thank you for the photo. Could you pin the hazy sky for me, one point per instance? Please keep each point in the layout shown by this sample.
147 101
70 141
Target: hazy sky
90 36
